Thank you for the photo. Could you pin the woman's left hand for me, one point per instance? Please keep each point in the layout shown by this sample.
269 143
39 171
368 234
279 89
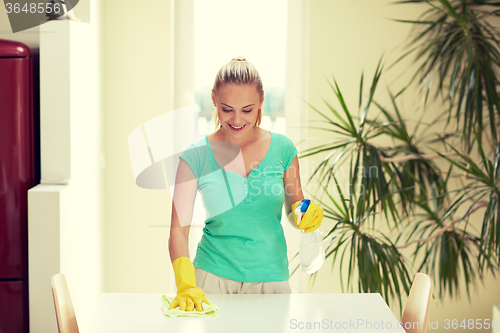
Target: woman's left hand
312 218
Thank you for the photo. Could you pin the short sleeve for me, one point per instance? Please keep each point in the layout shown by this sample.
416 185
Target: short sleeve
190 156
290 151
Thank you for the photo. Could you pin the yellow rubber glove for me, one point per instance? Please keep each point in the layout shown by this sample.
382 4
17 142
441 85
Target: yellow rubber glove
312 218
188 294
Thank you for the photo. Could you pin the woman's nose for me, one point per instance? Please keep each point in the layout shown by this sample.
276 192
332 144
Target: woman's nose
237 117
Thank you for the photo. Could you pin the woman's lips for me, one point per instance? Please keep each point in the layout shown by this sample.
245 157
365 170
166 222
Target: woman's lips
236 129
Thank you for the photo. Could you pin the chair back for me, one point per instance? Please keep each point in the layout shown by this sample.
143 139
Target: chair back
416 313
65 314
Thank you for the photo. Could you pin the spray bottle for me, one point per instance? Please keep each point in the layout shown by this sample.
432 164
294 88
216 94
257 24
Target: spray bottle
311 251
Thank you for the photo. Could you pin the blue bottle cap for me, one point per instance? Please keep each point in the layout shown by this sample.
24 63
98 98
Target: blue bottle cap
304 204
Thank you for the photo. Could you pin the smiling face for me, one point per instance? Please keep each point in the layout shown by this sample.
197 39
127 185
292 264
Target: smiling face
237 108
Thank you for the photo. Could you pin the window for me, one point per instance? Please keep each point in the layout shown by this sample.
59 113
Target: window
256 30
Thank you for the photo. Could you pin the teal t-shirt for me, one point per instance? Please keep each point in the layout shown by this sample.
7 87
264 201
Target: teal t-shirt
243 239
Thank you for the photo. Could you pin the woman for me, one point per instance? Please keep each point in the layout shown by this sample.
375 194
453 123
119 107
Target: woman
243 248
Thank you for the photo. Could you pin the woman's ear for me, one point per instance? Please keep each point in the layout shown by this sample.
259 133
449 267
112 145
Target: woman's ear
213 98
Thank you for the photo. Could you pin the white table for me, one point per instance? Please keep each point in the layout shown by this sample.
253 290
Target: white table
141 313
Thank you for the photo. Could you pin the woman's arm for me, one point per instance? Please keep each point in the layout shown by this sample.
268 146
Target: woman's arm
293 189
189 295
185 189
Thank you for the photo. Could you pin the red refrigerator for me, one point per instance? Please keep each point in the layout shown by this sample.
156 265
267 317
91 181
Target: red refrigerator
17 175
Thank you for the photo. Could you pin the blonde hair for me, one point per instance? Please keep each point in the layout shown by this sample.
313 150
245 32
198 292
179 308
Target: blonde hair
237 71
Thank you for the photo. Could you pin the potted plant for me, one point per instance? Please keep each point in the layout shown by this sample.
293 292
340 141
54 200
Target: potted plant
412 206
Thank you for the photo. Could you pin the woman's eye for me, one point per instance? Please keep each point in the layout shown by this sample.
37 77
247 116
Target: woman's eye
246 111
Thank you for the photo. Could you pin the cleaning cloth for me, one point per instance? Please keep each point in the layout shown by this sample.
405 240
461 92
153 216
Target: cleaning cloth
208 310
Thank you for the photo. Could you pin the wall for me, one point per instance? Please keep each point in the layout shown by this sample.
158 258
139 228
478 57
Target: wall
137 74
347 37
88 163
66 220
99 224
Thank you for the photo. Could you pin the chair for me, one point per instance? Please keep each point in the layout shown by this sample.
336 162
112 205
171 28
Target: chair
416 313
65 314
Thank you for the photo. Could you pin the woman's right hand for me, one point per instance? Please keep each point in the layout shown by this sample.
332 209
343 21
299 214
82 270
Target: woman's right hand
189 296
189 299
